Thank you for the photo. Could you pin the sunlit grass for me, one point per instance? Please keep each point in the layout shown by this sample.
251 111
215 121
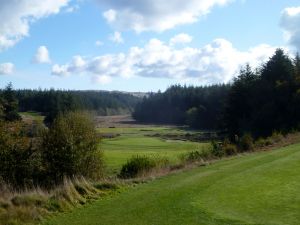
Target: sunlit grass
261 188
118 150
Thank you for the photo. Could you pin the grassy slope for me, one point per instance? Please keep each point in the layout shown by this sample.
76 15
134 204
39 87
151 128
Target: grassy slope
262 188
133 142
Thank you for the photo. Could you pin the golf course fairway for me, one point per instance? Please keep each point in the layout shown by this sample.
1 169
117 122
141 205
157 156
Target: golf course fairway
259 188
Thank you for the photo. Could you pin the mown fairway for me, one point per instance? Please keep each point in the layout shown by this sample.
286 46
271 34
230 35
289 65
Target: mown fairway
261 188
134 141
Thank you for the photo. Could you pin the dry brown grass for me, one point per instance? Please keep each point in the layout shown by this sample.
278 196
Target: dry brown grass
30 206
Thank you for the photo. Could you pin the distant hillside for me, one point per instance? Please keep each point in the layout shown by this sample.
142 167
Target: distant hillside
51 102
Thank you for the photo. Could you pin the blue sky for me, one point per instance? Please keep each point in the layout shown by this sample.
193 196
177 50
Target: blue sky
134 45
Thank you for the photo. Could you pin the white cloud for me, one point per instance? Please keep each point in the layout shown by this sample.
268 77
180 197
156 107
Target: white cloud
116 37
77 65
72 8
290 22
99 43
16 17
181 39
216 62
60 70
110 15
6 68
156 15
42 55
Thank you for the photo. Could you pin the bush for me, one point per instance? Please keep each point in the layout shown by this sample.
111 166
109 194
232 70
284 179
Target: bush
19 156
229 149
70 148
217 149
262 142
246 143
200 155
276 137
136 166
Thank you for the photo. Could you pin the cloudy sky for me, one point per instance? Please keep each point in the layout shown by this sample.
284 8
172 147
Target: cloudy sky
134 45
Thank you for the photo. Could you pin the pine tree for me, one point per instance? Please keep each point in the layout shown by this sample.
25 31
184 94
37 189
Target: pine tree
10 104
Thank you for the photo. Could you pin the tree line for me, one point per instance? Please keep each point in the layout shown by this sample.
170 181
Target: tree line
53 102
259 101
199 107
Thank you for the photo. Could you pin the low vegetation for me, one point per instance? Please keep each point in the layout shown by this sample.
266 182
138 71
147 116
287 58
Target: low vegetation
142 165
29 207
68 148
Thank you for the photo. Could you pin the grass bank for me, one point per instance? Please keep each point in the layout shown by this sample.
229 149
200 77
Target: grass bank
30 206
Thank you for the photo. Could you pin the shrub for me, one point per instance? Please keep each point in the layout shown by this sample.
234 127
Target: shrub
246 143
70 148
276 137
199 155
217 149
136 166
229 149
262 142
20 159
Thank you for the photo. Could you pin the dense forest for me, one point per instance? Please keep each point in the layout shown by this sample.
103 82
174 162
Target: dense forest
259 101
52 102
199 107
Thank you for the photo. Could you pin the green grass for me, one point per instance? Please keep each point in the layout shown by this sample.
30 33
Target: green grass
118 150
261 188
147 130
35 116
136 141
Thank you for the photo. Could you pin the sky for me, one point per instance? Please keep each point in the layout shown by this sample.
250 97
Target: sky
134 45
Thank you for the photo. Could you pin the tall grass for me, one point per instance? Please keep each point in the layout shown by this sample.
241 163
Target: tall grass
30 206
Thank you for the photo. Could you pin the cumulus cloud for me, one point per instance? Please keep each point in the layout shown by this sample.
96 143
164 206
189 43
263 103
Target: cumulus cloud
181 39
16 17
42 55
6 68
156 15
290 22
216 62
77 65
116 37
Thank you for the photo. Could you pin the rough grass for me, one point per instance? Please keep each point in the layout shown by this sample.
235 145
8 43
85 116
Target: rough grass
29 207
258 188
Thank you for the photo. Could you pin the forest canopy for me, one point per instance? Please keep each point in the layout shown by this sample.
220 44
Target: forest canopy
258 101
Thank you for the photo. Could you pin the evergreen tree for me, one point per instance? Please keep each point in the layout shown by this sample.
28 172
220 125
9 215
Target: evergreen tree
10 104
275 94
1 108
240 102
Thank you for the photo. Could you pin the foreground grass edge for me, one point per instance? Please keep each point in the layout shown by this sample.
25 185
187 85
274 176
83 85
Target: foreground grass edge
32 206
